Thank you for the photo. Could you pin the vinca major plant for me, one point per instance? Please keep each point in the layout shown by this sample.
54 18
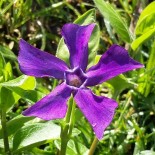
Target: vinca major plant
76 78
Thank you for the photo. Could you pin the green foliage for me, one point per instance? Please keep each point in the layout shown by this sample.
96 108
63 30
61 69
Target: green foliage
7 103
146 20
137 42
13 126
34 134
145 27
127 23
74 148
15 89
146 78
115 20
147 152
118 88
2 62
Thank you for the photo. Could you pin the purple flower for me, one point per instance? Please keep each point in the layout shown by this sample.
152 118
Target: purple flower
76 78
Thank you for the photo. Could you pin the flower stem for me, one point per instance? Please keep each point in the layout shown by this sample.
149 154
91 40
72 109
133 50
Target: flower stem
66 130
5 134
72 119
93 146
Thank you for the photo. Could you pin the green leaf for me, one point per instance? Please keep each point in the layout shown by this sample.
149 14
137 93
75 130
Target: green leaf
78 114
146 20
2 62
145 27
25 82
7 53
15 124
146 152
34 135
1 143
136 43
15 89
23 86
115 20
146 83
7 72
85 19
119 83
7 102
97 58
75 132
93 45
74 147
29 95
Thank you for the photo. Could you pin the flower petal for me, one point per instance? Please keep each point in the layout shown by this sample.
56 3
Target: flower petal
98 110
52 106
76 37
35 62
114 62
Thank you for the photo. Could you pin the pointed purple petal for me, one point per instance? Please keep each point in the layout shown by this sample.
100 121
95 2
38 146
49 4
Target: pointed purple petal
52 106
76 37
114 62
35 62
98 110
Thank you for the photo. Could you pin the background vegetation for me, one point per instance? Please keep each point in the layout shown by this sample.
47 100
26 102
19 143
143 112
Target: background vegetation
129 23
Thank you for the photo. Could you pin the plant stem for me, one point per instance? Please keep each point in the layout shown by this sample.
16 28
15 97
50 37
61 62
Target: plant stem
64 139
67 129
5 134
93 146
72 119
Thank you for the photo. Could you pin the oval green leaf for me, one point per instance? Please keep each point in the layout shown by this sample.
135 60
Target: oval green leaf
15 89
34 135
145 27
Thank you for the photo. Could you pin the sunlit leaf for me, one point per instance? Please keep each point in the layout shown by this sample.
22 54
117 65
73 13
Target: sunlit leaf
14 90
25 82
145 27
74 148
146 20
2 62
146 152
138 41
7 72
35 134
145 86
115 19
